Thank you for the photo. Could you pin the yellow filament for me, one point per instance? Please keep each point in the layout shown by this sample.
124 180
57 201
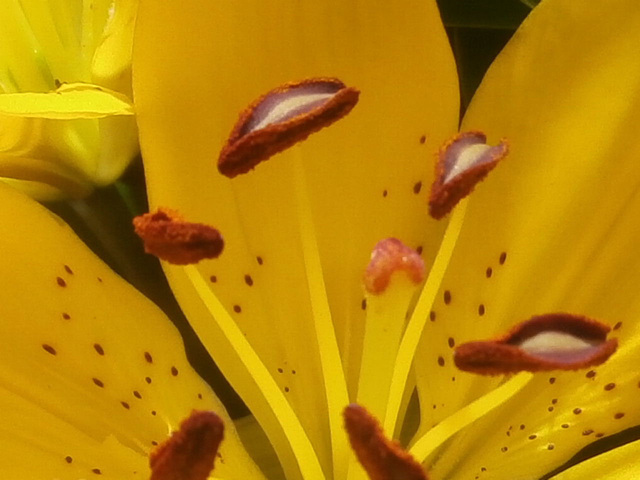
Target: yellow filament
411 337
248 359
333 375
465 416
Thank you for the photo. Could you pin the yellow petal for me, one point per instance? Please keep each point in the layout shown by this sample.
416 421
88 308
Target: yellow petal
552 229
618 464
92 370
69 101
189 93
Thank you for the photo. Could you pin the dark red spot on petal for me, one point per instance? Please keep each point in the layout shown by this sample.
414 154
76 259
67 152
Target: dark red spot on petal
283 117
190 452
381 458
168 236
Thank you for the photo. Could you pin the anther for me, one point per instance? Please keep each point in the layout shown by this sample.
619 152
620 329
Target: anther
381 458
283 117
168 236
556 341
190 452
463 162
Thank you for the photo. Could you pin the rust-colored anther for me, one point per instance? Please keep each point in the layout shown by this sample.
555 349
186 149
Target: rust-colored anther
283 117
168 236
389 256
190 452
381 458
555 341
463 162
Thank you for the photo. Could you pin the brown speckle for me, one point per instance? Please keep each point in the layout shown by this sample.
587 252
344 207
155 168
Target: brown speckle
441 361
577 411
148 357
98 382
533 437
213 279
385 193
503 258
259 260
248 280
417 187
286 389
432 316
565 425
447 297
617 326
488 272
137 395
147 379
68 269
98 348
363 304
609 386
125 405
591 374
237 308
66 316
552 380
61 281
504 449
49 349
618 415
423 139
68 459
587 432
481 310
451 342
551 446
96 471
174 371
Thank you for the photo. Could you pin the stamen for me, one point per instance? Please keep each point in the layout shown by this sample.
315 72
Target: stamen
167 236
463 162
190 452
283 117
556 341
381 458
388 256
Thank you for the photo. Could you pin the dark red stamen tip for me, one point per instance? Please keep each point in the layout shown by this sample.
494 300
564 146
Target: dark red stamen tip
381 458
556 341
463 162
283 117
167 236
190 452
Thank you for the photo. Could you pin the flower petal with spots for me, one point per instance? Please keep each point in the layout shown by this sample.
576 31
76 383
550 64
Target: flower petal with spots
92 376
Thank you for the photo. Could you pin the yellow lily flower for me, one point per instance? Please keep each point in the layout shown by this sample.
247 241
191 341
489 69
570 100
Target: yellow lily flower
282 311
65 87
95 378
